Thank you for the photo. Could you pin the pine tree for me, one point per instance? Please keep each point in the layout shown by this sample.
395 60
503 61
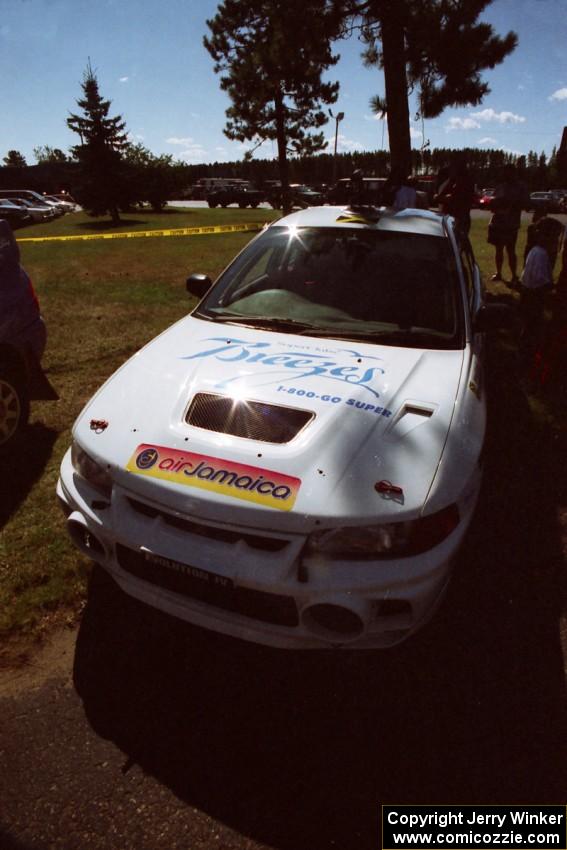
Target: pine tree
47 154
14 159
437 47
271 55
103 141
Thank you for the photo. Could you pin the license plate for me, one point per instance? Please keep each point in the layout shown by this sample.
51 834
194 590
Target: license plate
195 573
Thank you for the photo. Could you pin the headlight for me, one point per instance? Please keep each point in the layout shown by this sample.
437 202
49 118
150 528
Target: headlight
91 471
389 540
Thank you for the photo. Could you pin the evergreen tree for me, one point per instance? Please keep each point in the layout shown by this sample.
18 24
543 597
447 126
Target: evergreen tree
437 47
14 159
152 178
105 187
45 153
271 54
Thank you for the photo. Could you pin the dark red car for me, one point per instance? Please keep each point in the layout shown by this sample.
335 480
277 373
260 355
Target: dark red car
22 338
485 199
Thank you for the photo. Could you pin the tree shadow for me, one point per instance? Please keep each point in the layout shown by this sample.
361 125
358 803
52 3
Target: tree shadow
101 225
298 750
23 465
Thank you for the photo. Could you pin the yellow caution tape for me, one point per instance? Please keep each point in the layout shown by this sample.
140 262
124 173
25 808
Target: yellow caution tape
137 234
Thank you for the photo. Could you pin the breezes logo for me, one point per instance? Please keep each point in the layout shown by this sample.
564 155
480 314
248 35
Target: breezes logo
237 480
351 367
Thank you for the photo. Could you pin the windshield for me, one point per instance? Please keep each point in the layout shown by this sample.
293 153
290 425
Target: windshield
392 287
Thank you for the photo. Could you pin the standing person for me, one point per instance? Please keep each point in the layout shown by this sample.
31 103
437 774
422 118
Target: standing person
398 191
456 194
553 232
536 280
510 198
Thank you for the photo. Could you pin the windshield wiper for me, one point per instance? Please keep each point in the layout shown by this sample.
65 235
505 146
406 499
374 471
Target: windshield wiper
412 338
407 336
271 322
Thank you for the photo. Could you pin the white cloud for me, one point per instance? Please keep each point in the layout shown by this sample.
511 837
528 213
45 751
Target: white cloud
487 140
135 137
176 140
462 124
193 151
196 153
124 79
344 145
415 133
560 94
499 117
375 117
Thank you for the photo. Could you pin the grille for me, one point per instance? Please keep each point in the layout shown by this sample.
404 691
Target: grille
210 588
256 541
253 420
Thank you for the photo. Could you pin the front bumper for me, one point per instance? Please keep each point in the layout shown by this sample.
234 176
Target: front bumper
250 583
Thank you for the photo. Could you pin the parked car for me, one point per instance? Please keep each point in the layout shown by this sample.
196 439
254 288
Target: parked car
543 201
62 203
297 461
243 196
304 196
14 215
485 199
30 195
371 191
552 201
38 213
22 338
66 197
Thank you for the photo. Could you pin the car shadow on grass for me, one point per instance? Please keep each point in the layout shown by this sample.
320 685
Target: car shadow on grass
297 750
22 466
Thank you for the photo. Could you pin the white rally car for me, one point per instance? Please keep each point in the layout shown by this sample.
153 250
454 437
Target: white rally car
296 462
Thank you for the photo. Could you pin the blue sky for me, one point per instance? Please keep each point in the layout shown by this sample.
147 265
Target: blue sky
150 61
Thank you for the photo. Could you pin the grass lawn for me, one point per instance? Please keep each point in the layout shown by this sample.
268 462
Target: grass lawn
102 300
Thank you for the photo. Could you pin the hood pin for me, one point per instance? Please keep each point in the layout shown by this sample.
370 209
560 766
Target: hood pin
388 487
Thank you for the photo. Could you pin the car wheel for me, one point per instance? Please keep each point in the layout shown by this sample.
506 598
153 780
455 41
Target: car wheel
254 205
14 405
242 205
211 204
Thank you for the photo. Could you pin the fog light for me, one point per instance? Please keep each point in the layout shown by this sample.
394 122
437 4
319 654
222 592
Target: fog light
335 618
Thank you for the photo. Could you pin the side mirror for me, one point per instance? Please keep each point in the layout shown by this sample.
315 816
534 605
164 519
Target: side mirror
493 317
198 284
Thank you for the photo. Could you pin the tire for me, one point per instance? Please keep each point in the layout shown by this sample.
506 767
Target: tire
14 405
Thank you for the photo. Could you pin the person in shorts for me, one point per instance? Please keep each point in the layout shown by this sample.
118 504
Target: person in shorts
510 199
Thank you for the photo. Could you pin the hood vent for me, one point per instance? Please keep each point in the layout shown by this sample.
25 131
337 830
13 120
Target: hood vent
253 420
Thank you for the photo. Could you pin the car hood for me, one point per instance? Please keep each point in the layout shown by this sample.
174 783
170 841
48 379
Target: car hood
374 425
